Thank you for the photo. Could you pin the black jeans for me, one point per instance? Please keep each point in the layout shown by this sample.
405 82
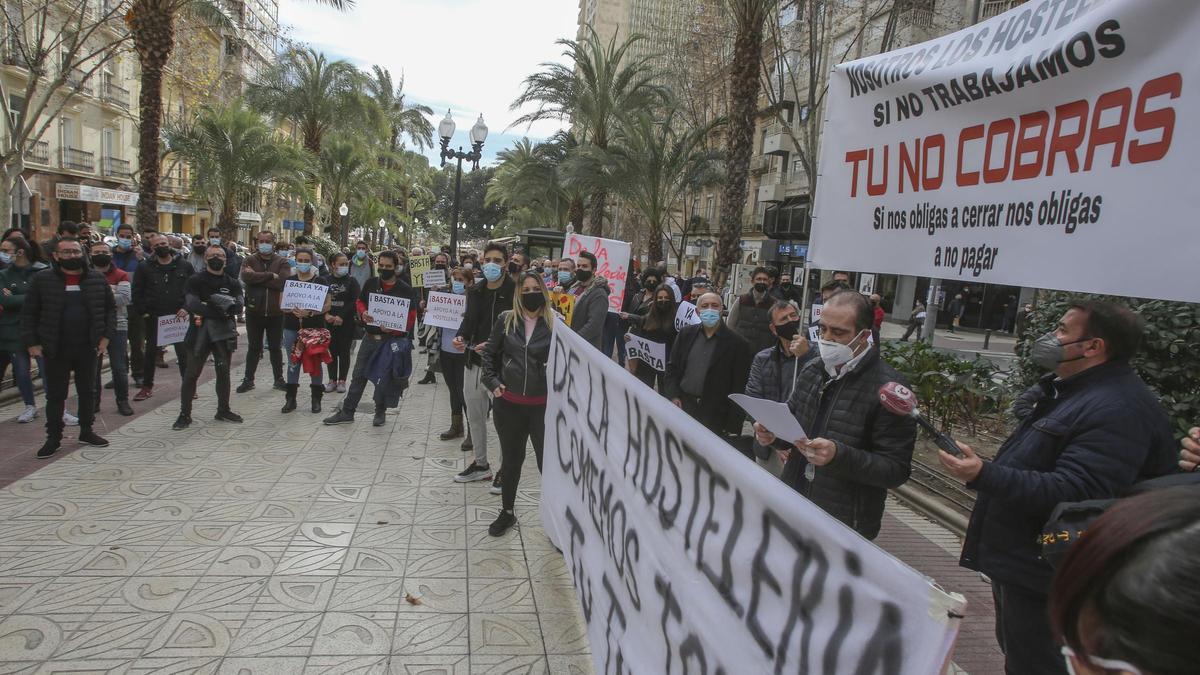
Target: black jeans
341 341
453 365
1023 632
256 327
79 361
222 355
516 426
119 367
150 358
358 382
137 344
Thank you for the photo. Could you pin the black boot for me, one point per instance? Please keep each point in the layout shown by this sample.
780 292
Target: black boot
289 403
428 379
455 430
318 390
467 445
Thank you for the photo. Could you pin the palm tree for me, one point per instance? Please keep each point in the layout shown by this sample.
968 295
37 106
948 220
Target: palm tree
152 26
529 182
749 16
347 171
598 86
398 117
233 152
655 163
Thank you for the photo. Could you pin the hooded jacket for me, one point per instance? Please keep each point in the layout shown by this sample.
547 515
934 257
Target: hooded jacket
591 308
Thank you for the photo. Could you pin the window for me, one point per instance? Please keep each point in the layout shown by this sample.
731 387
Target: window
16 109
709 208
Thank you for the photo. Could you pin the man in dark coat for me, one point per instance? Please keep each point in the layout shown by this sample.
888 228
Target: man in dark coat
750 315
708 363
158 291
776 369
1095 430
855 450
68 318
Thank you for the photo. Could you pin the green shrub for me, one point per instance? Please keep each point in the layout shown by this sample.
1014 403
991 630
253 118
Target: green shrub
951 390
1169 360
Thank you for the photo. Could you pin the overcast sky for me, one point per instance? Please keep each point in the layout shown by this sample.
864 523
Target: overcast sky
466 55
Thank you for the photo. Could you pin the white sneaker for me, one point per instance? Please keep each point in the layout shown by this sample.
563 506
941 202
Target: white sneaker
329 386
30 414
70 420
341 387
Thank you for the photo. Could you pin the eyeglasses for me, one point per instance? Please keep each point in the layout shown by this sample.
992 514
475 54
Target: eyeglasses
1107 665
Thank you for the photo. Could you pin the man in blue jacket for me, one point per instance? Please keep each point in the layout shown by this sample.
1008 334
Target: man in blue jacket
1094 429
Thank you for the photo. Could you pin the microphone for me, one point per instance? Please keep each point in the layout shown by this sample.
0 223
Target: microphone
900 400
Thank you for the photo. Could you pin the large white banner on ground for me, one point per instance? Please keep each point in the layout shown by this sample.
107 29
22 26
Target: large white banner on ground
612 257
687 557
1054 146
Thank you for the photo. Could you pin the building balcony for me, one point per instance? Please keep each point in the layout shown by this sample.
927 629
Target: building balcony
38 153
990 8
760 164
115 94
77 79
777 141
117 168
777 186
78 160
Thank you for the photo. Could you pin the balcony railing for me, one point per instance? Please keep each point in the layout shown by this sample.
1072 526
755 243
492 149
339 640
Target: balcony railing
78 160
992 8
114 94
117 168
77 79
172 184
38 152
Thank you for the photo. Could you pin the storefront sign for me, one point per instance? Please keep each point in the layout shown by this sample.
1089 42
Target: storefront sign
91 193
165 206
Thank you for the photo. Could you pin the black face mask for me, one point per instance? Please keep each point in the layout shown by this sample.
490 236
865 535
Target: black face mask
664 305
513 268
387 275
216 264
760 288
533 302
198 248
162 251
652 283
71 264
786 284
583 276
101 260
788 330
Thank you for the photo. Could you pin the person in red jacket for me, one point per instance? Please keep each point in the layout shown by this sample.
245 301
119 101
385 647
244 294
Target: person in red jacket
877 317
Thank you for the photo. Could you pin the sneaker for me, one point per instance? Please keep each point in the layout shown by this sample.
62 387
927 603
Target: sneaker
182 422
473 473
51 446
70 420
380 418
496 488
340 417
330 386
124 409
245 386
30 414
144 393
89 437
341 386
500 525
228 416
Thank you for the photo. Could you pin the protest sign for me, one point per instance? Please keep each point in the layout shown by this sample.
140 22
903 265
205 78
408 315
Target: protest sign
1048 146
418 265
565 304
445 310
653 354
685 315
171 329
433 278
389 311
687 558
612 259
303 295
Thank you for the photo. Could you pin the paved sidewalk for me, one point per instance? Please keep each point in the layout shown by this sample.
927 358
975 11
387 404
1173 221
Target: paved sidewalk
276 546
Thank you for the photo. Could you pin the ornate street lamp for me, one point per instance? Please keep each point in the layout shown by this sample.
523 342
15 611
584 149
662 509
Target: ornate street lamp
478 136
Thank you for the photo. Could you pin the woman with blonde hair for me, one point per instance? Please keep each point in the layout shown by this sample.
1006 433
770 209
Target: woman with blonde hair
514 370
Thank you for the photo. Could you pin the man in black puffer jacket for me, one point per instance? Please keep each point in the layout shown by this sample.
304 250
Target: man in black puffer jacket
855 450
68 318
158 290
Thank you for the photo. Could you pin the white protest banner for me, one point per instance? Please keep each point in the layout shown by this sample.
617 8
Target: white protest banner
688 558
303 295
433 278
445 310
388 311
653 354
171 329
685 315
1048 146
612 258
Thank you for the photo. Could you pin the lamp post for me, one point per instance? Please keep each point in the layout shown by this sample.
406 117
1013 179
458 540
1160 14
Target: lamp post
343 230
478 136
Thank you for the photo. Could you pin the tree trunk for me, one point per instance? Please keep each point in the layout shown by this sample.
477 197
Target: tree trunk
313 145
11 172
152 26
599 200
310 214
739 140
575 213
655 246
227 222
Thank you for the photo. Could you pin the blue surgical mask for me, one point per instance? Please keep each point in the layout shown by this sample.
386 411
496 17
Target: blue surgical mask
125 243
215 241
360 254
709 317
266 248
564 277
341 270
303 268
458 287
6 258
492 271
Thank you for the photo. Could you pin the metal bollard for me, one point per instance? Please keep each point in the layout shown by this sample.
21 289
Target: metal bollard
987 337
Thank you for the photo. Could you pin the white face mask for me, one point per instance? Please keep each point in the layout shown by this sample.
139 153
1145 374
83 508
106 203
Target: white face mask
835 354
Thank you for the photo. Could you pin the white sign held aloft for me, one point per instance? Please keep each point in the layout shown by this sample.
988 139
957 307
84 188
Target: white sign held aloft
171 329
696 556
389 312
612 258
685 315
303 295
445 310
1044 147
653 354
433 278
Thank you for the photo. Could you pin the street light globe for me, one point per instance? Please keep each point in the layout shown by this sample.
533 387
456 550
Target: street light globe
479 131
343 209
446 127
382 222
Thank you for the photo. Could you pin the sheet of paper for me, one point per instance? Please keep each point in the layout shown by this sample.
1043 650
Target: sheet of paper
775 416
